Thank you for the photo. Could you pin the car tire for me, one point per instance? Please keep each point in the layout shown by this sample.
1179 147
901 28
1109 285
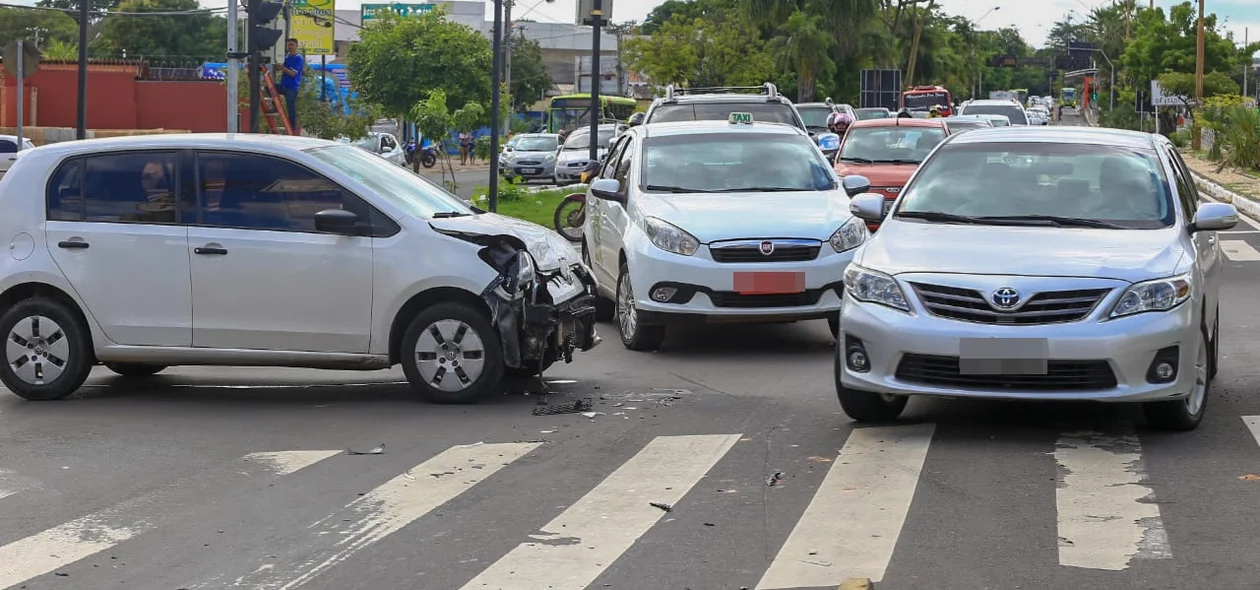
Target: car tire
135 369
605 310
1185 414
833 322
634 335
865 406
64 345
446 374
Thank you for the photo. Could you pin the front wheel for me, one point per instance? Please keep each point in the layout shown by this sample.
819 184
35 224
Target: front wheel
864 406
570 217
428 160
1186 414
47 350
634 335
451 354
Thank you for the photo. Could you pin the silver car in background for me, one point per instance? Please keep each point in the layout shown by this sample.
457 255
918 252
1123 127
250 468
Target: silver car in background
1051 263
532 156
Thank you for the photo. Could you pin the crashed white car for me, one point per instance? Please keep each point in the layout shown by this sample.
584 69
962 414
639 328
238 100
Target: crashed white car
208 249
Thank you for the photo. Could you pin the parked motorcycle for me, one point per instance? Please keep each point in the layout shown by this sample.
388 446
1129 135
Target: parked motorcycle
571 212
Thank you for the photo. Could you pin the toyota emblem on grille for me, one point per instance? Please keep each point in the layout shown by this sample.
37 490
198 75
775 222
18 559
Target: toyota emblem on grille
1006 298
767 248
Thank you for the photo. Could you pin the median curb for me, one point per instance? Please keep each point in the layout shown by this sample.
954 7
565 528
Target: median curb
1221 194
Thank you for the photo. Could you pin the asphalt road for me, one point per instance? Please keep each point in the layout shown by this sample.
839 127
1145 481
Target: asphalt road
223 477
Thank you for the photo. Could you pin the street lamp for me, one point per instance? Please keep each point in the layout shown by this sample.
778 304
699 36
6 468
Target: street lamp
980 67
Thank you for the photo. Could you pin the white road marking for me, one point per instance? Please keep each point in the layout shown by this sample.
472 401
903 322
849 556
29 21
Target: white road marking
1231 232
576 547
1106 517
1239 251
57 547
850 528
1253 424
12 483
286 462
386 510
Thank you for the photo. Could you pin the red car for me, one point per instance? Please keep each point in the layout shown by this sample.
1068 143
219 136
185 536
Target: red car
887 152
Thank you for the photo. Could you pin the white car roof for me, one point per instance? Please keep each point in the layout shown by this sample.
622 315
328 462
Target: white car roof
235 141
711 126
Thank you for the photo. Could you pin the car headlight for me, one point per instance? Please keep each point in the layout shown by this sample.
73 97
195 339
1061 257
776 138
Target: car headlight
669 237
873 286
549 157
525 271
1156 295
850 235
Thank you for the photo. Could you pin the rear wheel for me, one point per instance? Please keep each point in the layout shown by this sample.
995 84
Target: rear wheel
47 349
134 369
452 355
1186 414
570 216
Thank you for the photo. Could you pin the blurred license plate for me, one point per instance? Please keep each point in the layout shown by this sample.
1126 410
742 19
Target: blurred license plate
1003 356
768 283
531 171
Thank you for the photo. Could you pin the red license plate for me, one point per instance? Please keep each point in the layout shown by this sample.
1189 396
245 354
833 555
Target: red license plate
769 283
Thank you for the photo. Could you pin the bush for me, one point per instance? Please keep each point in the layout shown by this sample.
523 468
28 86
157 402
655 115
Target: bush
1180 138
507 190
1239 141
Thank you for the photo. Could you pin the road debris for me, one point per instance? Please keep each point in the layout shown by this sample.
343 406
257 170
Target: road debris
546 432
577 407
775 479
818 459
1249 477
592 415
662 506
709 524
379 450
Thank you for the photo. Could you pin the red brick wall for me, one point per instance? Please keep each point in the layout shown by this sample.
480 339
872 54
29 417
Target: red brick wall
196 106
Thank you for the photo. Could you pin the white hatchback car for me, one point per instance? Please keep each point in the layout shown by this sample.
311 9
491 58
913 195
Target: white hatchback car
211 249
705 221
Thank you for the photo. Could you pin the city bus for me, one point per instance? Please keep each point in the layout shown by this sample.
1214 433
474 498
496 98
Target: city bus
571 111
922 98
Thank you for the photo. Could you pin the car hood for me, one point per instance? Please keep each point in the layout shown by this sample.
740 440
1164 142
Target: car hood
1127 255
879 174
730 216
549 249
582 155
517 155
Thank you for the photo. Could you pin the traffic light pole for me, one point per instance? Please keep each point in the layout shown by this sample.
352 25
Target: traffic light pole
254 78
258 38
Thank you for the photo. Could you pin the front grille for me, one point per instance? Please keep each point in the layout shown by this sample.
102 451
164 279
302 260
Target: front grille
529 163
752 253
1048 307
1060 375
732 299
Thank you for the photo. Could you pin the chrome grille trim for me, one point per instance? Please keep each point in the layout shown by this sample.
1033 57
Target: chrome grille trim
1044 307
785 250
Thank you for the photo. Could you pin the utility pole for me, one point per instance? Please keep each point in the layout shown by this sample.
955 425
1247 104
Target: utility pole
81 132
507 61
597 20
496 100
914 45
233 65
1198 80
1246 42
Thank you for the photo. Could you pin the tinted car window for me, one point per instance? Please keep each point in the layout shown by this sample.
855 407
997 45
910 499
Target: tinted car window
815 117
890 144
537 144
137 187
1012 111
734 162
7 147
1121 186
771 112
249 191
390 182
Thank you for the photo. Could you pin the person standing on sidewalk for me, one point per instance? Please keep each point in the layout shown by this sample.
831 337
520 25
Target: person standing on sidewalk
465 147
291 81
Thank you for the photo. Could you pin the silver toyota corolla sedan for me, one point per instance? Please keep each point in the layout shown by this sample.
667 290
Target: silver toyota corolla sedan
1063 263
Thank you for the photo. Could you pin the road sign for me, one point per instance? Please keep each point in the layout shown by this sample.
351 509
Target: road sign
368 12
584 8
311 24
880 88
1041 62
30 58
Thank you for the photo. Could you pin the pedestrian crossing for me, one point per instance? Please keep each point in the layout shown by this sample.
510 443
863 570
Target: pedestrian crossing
1239 251
1107 507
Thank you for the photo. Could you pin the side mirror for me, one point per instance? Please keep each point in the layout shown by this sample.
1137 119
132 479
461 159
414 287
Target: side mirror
336 221
608 189
1214 217
637 119
868 206
855 185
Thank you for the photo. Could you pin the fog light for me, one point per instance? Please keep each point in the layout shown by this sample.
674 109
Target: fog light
1164 366
1164 371
663 294
857 360
855 355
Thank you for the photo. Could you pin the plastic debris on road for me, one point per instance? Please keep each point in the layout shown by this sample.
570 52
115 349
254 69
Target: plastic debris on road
577 407
379 450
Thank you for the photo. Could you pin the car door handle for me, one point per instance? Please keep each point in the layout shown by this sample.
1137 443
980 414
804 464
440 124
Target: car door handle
210 250
72 244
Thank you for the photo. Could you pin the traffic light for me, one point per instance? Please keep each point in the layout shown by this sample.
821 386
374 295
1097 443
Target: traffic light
1093 97
261 12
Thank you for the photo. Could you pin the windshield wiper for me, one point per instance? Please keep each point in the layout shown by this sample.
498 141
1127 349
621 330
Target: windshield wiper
674 189
763 189
449 214
939 216
854 159
899 161
1057 220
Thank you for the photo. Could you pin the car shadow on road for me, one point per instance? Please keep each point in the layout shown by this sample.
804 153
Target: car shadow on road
984 418
741 340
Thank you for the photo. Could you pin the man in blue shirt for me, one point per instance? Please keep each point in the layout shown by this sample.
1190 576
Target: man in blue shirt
291 80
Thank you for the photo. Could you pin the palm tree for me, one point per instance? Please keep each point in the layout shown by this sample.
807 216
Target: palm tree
802 45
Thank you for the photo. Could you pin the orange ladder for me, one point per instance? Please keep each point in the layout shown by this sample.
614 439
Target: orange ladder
272 109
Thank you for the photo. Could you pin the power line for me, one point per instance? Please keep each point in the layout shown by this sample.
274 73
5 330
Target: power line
97 13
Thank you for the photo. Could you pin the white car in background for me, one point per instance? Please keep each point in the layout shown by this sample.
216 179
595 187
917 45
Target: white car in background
716 221
575 153
384 145
1010 108
268 250
9 150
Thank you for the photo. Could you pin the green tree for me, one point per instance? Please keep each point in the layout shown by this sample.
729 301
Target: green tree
1180 84
1162 44
49 27
401 61
700 52
530 80
186 37
686 10
804 46
94 5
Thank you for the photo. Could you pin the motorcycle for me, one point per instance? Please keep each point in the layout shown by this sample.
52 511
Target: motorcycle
571 212
428 154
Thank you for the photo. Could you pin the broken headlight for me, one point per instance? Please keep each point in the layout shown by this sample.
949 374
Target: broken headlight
525 271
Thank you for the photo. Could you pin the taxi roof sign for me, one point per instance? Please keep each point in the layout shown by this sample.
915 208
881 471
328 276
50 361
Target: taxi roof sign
740 119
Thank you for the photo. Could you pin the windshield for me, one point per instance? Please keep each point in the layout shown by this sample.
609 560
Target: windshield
967 124
1013 112
864 114
391 182
905 145
582 141
734 162
537 144
924 100
367 143
815 117
1121 186
770 112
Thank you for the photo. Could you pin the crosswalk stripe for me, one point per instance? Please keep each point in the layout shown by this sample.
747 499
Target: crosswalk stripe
575 548
850 528
1253 425
83 537
12 483
382 512
1239 251
1105 516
